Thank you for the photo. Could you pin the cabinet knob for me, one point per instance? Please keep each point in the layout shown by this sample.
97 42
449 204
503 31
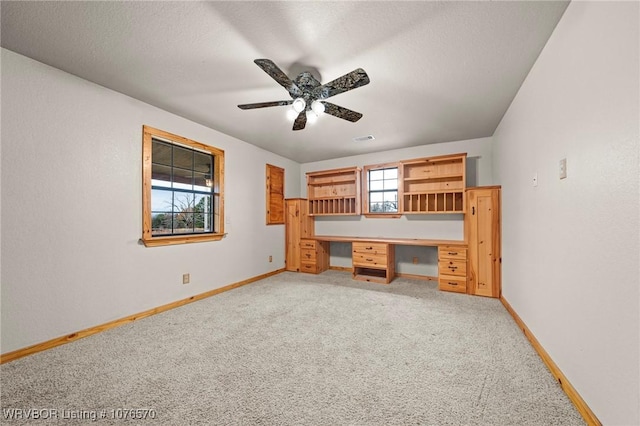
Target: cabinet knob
452 283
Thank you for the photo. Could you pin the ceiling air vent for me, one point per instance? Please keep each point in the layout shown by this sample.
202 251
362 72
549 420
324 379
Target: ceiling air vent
364 138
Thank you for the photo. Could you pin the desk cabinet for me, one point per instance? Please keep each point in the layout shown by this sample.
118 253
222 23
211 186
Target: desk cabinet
314 256
482 231
373 261
298 225
452 268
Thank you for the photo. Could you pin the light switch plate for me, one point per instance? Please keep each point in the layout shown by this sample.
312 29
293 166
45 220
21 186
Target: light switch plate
563 168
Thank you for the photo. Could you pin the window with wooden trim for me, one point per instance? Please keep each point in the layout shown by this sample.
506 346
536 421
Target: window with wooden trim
182 197
381 193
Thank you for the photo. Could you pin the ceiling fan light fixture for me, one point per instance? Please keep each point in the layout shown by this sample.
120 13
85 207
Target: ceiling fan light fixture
299 105
291 114
317 107
312 117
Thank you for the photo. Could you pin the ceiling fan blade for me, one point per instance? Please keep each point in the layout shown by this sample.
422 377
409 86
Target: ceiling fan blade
301 121
279 76
340 112
265 104
349 81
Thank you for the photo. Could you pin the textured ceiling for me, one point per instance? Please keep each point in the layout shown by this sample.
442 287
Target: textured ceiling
440 71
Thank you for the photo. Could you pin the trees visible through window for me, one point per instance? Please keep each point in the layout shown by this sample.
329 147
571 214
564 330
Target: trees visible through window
181 190
382 189
182 197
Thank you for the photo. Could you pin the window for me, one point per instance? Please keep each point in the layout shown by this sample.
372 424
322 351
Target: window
182 190
382 190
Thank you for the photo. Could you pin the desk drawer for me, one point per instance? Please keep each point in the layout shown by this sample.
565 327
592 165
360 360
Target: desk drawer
369 248
308 255
452 267
370 260
308 244
452 252
309 267
452 283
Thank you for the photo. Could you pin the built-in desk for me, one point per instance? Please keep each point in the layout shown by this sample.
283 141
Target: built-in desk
384 240
374 259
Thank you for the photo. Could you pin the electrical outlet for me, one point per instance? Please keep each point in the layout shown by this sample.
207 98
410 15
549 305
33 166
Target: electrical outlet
415 260
270 259
185 278
563 168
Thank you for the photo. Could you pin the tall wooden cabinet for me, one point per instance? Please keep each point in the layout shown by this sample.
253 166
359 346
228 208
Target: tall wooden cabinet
482 232
298 226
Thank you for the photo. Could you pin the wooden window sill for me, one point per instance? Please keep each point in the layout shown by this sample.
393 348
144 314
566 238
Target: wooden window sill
180 239
383 215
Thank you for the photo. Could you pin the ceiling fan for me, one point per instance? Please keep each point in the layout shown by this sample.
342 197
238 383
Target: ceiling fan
309 95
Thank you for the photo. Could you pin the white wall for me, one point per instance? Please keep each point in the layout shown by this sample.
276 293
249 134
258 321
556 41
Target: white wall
448 226
72 208
571 247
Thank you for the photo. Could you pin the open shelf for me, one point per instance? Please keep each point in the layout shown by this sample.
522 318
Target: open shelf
434 184
333 206
334 192
371 274
440 202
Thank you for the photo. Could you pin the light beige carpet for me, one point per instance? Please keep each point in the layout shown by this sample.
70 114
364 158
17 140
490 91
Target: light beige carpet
299 349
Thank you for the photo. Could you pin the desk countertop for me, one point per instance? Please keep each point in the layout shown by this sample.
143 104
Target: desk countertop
398 241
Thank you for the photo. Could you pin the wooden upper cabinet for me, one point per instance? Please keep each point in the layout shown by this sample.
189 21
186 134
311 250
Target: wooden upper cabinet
334 192
275 195
433 184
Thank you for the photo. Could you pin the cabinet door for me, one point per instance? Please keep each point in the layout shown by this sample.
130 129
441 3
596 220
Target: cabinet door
483 235
292 235
275 195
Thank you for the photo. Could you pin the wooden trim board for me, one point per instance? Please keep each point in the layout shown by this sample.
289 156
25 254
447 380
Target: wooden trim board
341 268
397 274
39 347
416 277
566 386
